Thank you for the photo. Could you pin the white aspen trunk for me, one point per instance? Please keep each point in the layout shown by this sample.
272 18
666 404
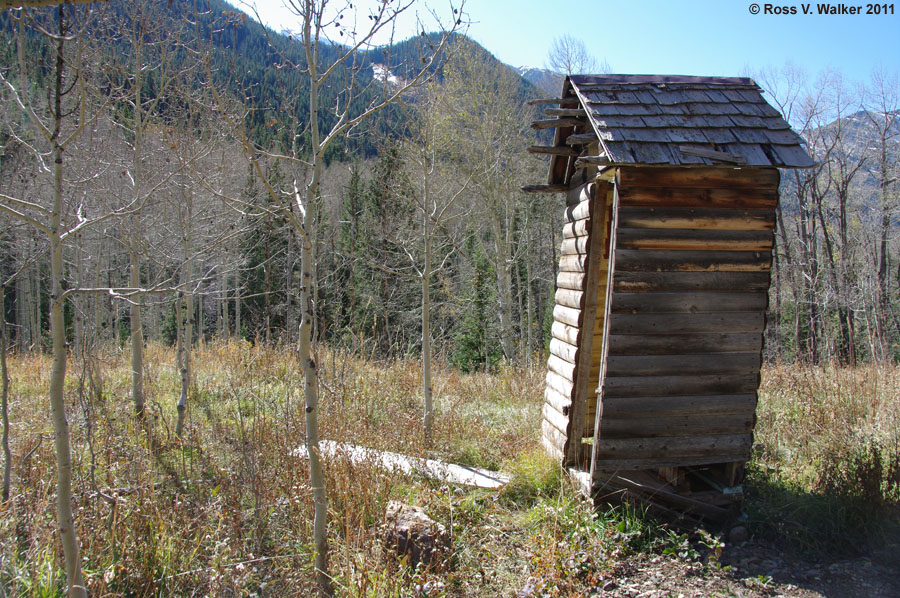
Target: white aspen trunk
428 416
529 300
310 373
64 515
78 302
98 300
520 302
289 295
200 319
504 286
137 324
184 308
189 333
222 312
313 230
35 311
137 339
237 305
311 398
181 405
21 310
4 405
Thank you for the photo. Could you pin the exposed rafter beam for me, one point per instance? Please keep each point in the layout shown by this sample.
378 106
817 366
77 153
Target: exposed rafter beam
557 122
581 139
552 150
576 112
591 161
545 188
552 101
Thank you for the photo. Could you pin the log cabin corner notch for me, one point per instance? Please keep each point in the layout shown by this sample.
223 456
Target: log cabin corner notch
671 186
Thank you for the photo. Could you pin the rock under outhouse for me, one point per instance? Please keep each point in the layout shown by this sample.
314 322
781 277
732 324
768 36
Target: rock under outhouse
671 185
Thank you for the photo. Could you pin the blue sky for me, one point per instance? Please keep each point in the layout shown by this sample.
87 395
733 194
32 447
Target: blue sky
687 37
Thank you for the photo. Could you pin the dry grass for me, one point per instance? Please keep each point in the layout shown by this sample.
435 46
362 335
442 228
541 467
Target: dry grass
825 474
227 511
834 429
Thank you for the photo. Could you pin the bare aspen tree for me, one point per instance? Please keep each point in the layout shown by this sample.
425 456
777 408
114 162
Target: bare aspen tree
50 126
4 398
842 168
568 55
489 132
325 64
884 115
436 193
73 106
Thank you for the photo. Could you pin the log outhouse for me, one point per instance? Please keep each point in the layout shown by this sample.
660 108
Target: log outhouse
671 186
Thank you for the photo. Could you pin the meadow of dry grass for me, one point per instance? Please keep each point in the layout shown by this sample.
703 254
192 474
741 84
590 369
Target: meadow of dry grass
227 510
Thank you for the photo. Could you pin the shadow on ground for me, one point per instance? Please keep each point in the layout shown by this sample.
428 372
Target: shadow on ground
822 544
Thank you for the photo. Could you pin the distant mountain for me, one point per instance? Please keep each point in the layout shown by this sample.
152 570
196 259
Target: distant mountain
546 80
861 140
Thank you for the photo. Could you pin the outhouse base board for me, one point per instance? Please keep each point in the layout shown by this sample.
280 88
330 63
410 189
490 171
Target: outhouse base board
703 492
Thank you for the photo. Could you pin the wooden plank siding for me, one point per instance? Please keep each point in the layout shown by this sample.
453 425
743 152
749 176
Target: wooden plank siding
686 316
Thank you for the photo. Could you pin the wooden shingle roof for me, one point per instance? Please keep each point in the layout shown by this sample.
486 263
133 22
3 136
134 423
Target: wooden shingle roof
671 120
643 119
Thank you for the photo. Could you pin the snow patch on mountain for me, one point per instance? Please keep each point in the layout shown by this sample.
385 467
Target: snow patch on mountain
384 74
544 79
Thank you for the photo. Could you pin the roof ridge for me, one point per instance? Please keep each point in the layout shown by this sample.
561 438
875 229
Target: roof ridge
623 79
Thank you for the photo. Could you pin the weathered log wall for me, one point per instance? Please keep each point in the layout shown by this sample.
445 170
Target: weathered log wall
693 249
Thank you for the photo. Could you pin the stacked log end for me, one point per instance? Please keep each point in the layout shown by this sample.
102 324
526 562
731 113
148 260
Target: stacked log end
568 316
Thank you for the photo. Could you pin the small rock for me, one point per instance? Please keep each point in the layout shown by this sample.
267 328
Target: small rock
814 573
410 532
738 534
770 566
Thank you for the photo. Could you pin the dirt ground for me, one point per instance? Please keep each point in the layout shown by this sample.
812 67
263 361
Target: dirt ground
752 568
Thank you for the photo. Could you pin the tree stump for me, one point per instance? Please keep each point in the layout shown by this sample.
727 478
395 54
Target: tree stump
410 533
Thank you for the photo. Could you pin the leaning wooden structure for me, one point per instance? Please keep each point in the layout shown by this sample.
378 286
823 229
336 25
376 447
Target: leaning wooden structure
671 186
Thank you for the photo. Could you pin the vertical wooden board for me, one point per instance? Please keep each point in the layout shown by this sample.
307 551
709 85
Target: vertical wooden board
597 213
598 375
